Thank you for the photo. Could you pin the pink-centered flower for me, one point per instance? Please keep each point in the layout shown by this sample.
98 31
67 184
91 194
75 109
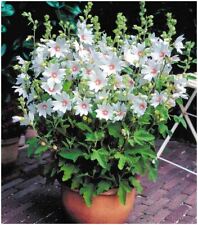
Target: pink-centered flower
58 48
82 107
104 111
45 108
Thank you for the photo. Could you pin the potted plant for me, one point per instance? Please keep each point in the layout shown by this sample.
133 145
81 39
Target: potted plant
96 102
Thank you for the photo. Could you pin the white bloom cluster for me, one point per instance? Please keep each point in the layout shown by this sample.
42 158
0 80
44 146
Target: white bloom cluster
84 77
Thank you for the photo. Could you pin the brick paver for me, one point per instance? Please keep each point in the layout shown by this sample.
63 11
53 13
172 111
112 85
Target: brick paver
171 199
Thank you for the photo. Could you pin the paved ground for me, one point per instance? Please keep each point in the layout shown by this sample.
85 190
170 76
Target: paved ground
172 199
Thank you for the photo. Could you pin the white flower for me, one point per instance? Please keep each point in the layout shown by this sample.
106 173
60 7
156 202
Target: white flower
75 67
150 70
58 48
119 110
139 104
20 60
135 55
22 79
178 44
21 90
54 74
16 119
159 50
158 98
171 102
62 103
118 82
45 108
104 111
38 64
112 65
26 120
97 82
82 107
52 90
84 34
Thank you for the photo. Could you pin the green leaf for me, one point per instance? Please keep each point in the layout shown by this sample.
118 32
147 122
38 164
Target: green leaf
114 129
101 156
76 181
145 119
67 85
122 160
96 136
33 144
7 10
87 191
152 173
56 4
142 150
68 170
3 29
180 119
122 191
103 186
179 101
70 154
41 149
83 126
3 49
141 136
163 112
163 129
136 183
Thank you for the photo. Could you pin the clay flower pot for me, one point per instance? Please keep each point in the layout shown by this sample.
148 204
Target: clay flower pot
9 151
105 209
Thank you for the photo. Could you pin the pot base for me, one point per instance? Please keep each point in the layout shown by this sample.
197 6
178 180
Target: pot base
105 209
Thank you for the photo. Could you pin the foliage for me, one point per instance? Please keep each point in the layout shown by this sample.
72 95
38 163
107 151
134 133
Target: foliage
95 100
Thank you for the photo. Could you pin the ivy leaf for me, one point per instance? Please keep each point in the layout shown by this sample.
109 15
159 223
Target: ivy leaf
87 191
122 191
122 160
68 170
163 129
28 44
141 136
152 173
56 4
114 129
101 156
76 181
142 150
103 186
180 119
83 126
7 10
70 154
41 149
96 136
3 49
136 183
33 144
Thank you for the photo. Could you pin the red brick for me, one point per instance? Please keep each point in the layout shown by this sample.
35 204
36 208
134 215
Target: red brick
177 201
188 220
192 211
170 183
177 214
161 214
192 199
189 189
153 209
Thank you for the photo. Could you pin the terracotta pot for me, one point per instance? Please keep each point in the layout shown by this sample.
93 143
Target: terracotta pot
9 150
105 209
30 133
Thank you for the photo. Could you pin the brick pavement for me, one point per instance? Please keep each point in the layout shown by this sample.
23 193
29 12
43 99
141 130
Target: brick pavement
172 199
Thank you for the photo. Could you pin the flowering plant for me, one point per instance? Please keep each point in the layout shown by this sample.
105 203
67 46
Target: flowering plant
96 100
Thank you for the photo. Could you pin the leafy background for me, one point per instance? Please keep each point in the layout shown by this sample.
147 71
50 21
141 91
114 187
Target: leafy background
15 29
